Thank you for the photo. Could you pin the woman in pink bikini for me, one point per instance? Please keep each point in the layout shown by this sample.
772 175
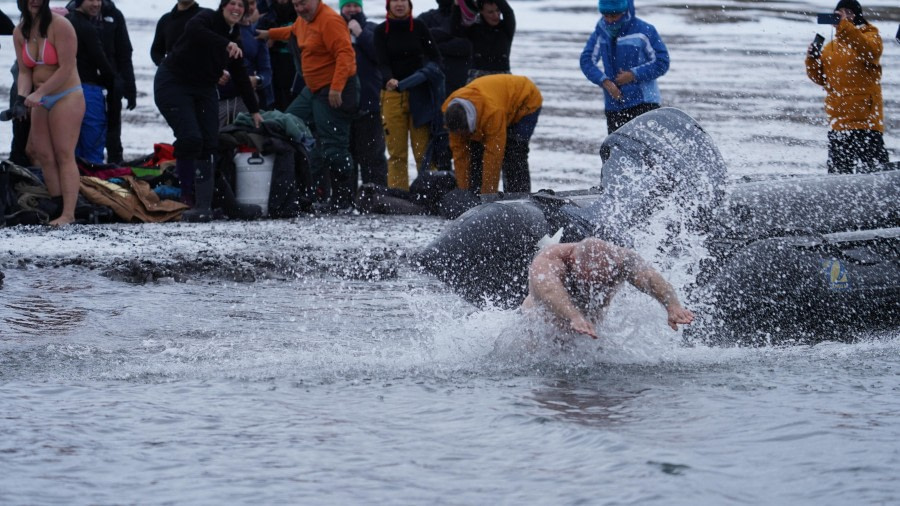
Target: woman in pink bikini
50 89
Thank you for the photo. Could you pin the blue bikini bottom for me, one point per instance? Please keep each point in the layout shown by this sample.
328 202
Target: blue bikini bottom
50 100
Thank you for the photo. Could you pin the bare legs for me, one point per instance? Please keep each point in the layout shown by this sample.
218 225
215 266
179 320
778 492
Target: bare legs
51 144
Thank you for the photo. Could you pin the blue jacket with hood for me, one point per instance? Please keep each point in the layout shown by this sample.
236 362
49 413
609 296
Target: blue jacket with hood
637 48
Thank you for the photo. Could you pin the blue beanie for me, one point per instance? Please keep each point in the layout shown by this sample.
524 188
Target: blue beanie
613 6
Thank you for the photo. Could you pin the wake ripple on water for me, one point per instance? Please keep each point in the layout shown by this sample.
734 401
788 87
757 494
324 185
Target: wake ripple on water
46 310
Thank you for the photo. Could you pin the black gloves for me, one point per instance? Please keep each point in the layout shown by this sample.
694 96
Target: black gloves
18 111
122 90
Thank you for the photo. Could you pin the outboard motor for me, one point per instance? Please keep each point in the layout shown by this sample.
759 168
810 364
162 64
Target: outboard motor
663 154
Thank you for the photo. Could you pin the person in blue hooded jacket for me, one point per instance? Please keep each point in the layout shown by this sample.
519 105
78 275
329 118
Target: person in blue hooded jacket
625 56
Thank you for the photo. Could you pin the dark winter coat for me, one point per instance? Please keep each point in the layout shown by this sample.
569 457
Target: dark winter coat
6 25
169 28
370 79
491 44
276 17
117 46
199 57
256 61
455 48
401 51
93 66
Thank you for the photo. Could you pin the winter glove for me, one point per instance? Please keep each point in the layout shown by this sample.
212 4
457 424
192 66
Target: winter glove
131 95
18 111
118 88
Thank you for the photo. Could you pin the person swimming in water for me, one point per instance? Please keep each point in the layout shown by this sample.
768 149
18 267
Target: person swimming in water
50 91
575 283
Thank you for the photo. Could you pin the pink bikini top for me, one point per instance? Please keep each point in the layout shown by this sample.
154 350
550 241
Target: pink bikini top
48 52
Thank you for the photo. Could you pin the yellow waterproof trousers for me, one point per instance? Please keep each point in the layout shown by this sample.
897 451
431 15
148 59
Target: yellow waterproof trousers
398 129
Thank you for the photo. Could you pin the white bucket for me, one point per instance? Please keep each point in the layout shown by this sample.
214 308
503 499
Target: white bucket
253 178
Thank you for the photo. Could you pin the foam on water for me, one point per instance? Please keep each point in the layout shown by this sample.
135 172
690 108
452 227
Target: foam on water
329 330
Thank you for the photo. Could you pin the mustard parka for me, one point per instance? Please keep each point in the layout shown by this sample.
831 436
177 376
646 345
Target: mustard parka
850 71
500 101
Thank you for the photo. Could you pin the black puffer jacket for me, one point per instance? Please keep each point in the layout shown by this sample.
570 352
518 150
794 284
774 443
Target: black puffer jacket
200 56
455 48
116 45
93 66
169 29
491 44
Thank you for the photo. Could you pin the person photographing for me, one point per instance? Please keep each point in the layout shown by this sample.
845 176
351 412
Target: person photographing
849 69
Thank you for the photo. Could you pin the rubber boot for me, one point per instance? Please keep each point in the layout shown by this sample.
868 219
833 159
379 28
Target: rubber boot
184 170
204 185
224 198
343 189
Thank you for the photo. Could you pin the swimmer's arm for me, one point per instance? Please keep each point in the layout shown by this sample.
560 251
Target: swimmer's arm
545 285
647 280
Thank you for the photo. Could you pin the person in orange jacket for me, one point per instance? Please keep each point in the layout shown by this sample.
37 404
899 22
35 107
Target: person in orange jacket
849 70
491 121
330 100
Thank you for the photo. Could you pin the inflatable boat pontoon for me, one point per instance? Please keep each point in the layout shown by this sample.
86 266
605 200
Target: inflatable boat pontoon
800 258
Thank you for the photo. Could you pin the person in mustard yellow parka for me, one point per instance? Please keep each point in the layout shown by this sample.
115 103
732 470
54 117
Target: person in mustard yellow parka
849 70
491 121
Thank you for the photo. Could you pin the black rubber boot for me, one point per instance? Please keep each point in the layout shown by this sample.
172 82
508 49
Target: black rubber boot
204 184
343 189
224 198
184 170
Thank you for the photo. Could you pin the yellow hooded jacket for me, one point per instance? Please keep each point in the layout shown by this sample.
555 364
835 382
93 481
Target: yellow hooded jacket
850 72
500 100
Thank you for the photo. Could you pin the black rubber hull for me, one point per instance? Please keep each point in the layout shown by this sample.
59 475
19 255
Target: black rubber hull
484 254
797 259
801 289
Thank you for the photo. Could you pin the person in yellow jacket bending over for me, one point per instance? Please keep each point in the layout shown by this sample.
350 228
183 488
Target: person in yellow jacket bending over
849 70
490 121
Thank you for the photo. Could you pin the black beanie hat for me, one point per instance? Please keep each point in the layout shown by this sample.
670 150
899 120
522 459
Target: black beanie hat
78 3
854 6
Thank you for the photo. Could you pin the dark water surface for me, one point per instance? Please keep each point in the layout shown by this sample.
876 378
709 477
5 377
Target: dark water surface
331 391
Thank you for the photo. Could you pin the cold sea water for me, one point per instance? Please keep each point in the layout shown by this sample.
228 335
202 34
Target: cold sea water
308 361
357 382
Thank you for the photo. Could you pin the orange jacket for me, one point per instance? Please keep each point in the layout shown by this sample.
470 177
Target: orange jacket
328 58
500 101
850 72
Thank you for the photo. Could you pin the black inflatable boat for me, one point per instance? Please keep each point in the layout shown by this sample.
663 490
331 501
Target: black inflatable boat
794 259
